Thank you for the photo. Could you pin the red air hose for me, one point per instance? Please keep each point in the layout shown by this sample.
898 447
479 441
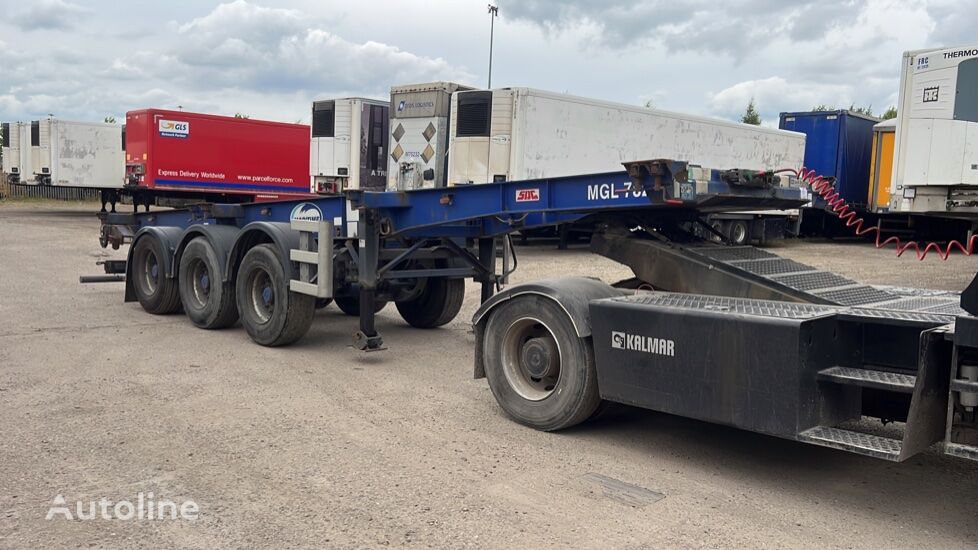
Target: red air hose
837 205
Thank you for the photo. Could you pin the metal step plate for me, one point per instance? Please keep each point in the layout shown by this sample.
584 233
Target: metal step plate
868 378
734 253
854 442
743 306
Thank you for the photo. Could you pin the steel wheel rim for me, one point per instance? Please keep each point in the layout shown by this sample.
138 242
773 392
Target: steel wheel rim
522 377
739 233
262 295
151 272
200 283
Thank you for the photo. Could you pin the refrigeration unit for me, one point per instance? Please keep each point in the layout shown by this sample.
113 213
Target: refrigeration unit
349 145
419 122
937 132
13 136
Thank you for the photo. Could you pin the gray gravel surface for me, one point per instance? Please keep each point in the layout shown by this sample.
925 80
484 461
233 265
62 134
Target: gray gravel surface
320 445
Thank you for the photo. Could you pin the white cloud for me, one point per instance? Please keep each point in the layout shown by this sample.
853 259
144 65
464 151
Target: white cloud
48 14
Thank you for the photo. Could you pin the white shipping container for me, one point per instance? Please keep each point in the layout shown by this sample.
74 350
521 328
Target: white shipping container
521 133
349 145
62 153
936 151
419 135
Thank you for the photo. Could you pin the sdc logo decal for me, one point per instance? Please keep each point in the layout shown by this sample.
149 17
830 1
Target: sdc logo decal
527 195
174 128
306 211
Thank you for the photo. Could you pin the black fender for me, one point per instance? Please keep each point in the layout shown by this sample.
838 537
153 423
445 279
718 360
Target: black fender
572 294
279 234
221 237
170 237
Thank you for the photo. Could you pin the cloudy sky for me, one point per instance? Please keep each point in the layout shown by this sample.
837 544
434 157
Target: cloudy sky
85 60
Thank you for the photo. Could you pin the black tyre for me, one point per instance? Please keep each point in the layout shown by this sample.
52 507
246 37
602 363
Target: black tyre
270 313
157 293
738 232
438 302
207 300
351 305
323 303
541 373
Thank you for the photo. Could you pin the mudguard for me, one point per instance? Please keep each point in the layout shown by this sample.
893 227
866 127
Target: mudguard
170 237
279 234
221 237
572 294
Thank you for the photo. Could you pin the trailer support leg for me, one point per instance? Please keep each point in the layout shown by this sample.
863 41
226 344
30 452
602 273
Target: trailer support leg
367 338
487 257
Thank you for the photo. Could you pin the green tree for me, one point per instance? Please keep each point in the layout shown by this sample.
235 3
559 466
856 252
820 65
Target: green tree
751 116
867 110
109 119
890 113
241 115
822 108
649 104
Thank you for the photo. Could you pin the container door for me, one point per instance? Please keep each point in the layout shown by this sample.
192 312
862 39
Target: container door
821 143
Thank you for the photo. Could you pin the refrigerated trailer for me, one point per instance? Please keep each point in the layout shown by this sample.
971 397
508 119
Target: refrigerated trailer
349 145
67 153
734 335
521 133
936 164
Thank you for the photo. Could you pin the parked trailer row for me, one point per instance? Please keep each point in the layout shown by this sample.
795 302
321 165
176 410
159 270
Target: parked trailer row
783 350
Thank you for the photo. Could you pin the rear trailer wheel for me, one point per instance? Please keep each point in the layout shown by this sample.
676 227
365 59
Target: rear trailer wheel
207 300
270 313
350 305
541 373
157 293
739 232
438 302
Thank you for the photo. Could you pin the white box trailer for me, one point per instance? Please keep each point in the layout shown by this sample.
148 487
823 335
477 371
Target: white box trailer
65 153
420 115
521 133
349 145
936 147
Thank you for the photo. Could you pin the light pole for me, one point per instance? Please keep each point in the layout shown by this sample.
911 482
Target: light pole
493 14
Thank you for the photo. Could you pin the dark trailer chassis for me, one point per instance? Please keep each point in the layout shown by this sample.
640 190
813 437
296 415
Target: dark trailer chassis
768 357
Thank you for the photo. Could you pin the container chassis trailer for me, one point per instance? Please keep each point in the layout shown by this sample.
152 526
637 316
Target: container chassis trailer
731 334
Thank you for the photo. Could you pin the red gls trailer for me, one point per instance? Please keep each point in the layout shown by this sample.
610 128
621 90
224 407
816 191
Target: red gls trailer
195 154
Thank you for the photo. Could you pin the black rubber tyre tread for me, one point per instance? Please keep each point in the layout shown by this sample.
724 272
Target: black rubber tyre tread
439 303
289 320
166 298
576 397
221 310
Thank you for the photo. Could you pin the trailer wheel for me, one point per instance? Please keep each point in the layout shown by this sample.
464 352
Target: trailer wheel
207 300
270 313
350 305
738 232
438 302
323 303
157 293
541 373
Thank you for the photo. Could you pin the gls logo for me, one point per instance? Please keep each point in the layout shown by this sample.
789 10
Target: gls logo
174 128
646 344
527 195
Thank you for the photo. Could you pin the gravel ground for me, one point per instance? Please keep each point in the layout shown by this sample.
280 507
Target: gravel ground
321 445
